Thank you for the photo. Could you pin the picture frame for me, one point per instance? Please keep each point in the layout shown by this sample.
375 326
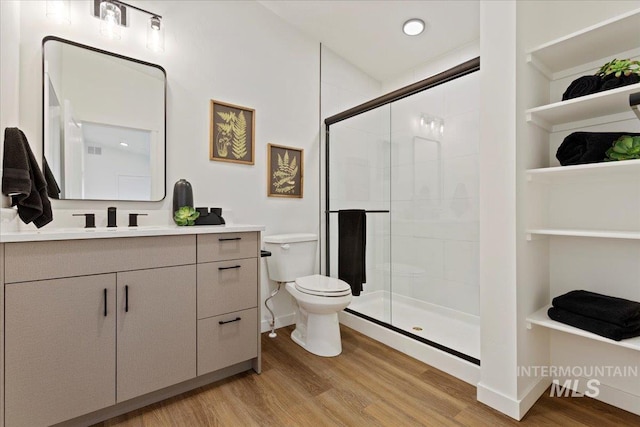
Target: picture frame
285 171
231 133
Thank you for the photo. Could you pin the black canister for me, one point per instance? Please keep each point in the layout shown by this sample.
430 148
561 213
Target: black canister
182 194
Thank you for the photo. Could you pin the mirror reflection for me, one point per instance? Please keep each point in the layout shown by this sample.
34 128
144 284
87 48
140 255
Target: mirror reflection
104 123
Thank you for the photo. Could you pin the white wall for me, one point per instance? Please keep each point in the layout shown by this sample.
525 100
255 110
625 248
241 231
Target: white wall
232 51
10 76
433 66
343 86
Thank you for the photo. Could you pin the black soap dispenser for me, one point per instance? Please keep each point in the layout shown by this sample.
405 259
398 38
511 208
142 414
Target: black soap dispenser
182 194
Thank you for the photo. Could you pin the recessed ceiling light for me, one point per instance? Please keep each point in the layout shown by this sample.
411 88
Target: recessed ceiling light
124 144
413 27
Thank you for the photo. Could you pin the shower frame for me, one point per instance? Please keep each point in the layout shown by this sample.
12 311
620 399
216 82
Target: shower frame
453 73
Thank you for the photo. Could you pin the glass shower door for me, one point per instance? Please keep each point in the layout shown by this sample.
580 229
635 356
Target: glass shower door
434 214
360 172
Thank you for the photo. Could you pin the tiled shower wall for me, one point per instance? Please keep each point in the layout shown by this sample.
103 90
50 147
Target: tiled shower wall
434 197
383 160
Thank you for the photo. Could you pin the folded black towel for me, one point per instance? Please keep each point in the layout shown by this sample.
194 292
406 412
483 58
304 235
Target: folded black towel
587 147
604 329
23 180
612 82
585 85
352 240
619 311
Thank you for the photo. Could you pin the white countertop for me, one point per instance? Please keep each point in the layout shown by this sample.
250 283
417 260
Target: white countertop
45 234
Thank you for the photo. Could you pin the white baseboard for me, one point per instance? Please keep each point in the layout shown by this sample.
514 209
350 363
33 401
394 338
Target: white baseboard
446 362
608 394
498 401
515 408
281 321
531 396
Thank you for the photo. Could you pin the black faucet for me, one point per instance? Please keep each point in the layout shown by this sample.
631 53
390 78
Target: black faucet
89 220
111 217
133 219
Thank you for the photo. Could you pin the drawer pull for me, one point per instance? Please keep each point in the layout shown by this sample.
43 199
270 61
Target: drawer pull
228 239
228 268
126 298
222 322
105 302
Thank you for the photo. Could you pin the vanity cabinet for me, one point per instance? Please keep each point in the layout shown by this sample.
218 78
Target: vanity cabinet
156 329
227 300
60 358
104 326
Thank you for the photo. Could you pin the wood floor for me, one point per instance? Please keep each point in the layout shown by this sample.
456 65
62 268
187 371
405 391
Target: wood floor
369 384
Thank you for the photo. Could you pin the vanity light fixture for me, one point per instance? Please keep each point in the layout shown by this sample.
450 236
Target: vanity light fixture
155 34
113 14
111 18
413 27
433 126
59 10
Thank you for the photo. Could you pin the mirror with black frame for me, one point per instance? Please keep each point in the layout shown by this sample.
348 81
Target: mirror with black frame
103 124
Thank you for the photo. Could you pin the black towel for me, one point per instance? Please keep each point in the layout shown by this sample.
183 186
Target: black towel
587 147
619 311
585 85
53 190
612 82
352 241
604 329
23 180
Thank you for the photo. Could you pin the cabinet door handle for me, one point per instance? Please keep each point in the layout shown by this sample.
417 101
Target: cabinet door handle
126 298
222 322
228 268
105 302
228 239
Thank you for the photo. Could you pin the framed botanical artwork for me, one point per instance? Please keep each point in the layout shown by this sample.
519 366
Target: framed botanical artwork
286 171
231 133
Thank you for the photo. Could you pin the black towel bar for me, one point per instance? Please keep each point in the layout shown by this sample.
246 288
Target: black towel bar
364 211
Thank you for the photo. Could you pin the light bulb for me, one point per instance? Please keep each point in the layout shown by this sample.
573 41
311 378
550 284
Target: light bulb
155 34
59 10
111 20
413 27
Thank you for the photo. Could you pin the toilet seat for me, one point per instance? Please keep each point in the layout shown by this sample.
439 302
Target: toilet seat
322 286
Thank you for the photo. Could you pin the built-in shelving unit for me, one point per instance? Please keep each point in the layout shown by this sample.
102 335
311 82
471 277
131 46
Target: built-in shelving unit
574 255
541 318
587 45
602 234
599 104
591 170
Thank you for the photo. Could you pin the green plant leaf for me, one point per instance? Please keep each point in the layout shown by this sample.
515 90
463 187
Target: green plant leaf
185 215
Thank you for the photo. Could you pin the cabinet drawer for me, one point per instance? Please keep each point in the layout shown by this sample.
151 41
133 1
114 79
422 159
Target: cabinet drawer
226 340
224 246
28 261
227 286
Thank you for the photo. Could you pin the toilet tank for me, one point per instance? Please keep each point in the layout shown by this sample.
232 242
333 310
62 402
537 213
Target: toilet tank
292 256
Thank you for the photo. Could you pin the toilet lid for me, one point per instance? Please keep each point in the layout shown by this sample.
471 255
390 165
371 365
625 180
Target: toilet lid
323 286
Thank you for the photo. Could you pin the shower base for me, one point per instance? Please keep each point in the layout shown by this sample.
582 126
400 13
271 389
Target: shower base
438 325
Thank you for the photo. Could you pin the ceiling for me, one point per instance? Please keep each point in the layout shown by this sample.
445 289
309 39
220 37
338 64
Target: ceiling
369 33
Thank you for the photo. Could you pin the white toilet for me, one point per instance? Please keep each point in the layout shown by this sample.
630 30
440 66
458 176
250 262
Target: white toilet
319 298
